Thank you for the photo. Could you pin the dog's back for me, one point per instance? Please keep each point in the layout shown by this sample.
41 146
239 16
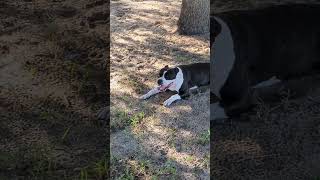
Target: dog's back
197 74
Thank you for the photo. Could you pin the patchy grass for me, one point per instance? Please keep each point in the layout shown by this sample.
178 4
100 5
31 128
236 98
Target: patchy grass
204 138
169 168
97 170
206 161
65 134
189 159
38 163
52 86
124 118
144 41
131 169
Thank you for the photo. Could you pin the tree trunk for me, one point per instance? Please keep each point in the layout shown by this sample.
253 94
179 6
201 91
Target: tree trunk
194 17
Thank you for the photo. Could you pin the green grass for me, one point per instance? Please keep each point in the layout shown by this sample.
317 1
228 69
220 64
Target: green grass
36 162
96 170
206 161
128 175
123 118
101 168
142 166
123 169
204 138
154 177
189 159
168 169
83 174
66 132
135 119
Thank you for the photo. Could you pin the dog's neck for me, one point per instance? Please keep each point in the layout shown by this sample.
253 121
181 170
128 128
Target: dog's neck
178 81
223 57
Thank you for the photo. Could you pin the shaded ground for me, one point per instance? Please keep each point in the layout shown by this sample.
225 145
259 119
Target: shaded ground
280 141
52 82
147 139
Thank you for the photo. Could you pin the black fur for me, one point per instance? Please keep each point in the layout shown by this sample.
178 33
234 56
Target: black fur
197 74
281 41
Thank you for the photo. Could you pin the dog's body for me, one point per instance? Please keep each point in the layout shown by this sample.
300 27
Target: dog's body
252 46
181 79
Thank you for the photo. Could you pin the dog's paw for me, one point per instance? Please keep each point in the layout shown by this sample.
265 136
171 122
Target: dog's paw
167 102
172 99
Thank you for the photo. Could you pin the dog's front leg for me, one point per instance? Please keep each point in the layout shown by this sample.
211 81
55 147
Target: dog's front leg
173 98
150 93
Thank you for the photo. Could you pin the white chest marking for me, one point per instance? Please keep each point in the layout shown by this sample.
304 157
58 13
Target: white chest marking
222 58
177 82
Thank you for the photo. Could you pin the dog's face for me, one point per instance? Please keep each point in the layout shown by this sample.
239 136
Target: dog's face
167 77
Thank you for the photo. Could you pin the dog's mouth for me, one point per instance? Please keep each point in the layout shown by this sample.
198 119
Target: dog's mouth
165 87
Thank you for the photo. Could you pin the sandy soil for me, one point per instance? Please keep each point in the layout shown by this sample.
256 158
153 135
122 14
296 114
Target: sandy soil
149 140
280 141
52 82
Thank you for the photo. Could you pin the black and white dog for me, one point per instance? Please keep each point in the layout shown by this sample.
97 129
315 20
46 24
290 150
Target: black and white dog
249 47
181 79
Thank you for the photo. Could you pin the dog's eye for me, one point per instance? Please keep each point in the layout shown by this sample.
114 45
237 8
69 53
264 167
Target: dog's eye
166 76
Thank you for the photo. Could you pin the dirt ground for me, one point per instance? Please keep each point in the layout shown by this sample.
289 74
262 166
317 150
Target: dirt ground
149 141
280 141
53 58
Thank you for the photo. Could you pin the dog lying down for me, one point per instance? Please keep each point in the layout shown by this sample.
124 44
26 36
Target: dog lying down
181 79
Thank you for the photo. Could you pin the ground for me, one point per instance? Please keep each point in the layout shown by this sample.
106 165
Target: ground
149 140
280 140
52 83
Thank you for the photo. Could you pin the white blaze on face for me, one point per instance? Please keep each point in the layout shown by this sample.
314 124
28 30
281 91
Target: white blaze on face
222 58
173 84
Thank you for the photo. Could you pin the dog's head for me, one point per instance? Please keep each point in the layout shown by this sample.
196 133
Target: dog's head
167 77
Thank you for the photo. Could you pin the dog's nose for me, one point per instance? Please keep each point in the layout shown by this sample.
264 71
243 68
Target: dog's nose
159 81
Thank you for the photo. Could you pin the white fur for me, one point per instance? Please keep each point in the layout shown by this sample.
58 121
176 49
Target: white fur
150 93
177 82
217 112
271 81
173 98
223 58
194 87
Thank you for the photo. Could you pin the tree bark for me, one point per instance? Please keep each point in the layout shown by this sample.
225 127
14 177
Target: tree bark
194 17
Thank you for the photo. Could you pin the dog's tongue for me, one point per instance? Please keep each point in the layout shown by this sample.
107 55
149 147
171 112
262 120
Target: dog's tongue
162 87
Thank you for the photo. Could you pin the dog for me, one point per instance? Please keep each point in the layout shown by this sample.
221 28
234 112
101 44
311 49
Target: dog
180 79
251 47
